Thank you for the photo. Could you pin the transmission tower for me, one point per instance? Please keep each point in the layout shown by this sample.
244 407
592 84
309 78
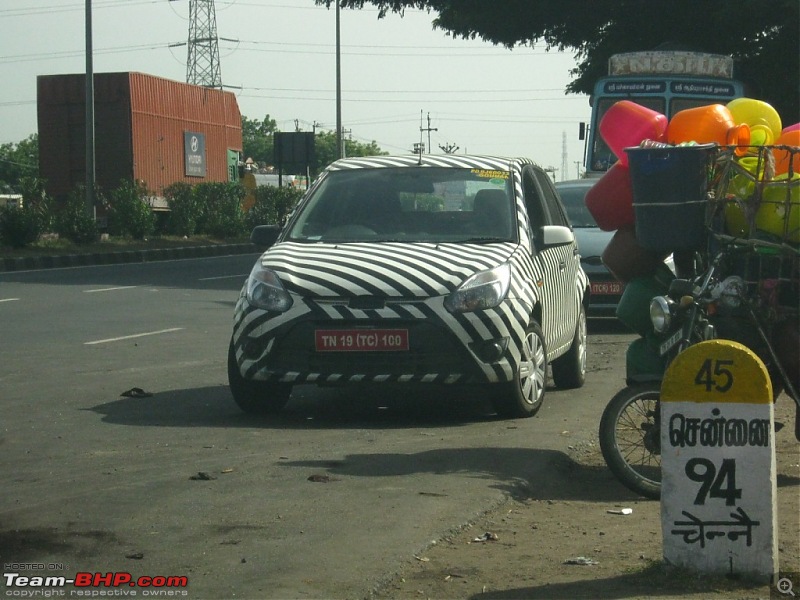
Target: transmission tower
202 65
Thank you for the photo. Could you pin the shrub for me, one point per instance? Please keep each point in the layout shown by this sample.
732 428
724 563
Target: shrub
184 209
21 226
272 205
72 220
220 212
129 214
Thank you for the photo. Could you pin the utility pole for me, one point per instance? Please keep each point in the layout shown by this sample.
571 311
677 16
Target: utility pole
428 129
563 155
90 156
339 142
448 148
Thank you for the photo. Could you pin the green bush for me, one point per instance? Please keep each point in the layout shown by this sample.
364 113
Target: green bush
272 205
184 209
21 226
220 209
129 213
72 220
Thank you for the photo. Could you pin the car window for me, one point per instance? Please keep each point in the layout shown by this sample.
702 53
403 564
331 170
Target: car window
425 204
557 216
573 197
533 200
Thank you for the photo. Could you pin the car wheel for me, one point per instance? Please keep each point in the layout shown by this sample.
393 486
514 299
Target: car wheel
569 371
523 397
255 397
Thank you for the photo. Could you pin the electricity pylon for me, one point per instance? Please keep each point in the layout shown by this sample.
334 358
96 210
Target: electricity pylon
202 65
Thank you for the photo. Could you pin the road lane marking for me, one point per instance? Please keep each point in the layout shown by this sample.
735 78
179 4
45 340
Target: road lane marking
9 299
110 289
130 337
224 277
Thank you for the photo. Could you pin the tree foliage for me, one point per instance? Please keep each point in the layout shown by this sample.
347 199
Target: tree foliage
325 148
17 162
761 35
257 138
258 142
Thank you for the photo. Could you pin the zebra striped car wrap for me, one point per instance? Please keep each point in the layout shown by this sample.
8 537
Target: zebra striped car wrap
400 285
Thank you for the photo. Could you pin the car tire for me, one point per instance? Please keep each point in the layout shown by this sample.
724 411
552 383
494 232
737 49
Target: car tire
569 370
255 397
524 396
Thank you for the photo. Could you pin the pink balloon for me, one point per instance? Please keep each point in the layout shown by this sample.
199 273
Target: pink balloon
794 127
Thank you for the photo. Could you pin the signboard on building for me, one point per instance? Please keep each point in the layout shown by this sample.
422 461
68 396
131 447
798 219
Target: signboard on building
194 150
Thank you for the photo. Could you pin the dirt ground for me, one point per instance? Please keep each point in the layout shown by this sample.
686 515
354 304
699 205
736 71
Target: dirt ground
568 518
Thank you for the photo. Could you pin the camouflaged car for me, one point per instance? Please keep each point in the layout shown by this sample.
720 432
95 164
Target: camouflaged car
452 269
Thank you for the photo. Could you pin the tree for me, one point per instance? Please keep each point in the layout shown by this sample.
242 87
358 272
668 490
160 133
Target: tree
762 35
18 161
325 148
257 140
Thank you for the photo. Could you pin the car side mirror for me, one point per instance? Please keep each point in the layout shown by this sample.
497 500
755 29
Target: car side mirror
265 236
557 235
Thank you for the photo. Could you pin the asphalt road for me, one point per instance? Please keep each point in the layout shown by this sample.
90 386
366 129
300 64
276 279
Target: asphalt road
98 482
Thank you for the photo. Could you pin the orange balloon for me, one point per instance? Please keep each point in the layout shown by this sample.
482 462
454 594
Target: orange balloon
713 123
783 157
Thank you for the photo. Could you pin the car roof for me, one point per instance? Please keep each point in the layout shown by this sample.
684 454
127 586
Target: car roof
470 161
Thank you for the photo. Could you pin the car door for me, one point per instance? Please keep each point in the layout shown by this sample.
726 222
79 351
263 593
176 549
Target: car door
558 262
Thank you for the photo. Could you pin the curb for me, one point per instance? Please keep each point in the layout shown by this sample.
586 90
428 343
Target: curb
30 263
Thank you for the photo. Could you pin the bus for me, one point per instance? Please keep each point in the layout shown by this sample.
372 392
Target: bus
664 81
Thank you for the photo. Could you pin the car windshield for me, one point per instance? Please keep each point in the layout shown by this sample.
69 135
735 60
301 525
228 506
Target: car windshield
409 204
573 198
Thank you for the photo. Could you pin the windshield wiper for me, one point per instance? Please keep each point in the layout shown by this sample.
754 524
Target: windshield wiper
483 240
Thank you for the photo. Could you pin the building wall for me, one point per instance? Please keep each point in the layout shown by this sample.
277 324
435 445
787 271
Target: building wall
140 122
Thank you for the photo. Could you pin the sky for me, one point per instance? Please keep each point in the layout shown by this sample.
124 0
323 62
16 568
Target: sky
279 58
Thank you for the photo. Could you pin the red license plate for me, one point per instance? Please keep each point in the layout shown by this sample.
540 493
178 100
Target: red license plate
361 340
604 288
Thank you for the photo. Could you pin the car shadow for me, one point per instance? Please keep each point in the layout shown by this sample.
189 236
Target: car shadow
379 407
522 472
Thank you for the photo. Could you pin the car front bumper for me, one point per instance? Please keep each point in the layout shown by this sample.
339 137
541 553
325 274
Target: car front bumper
481 346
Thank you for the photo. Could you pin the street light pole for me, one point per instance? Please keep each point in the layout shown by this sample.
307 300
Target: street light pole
90 166
339 140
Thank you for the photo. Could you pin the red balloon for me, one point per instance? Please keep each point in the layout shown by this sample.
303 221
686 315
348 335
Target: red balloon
610 200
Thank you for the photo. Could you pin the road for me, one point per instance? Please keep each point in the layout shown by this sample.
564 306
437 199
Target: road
327 500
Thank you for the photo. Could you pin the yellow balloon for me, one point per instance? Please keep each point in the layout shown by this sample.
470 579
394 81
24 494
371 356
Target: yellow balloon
779 211
763 119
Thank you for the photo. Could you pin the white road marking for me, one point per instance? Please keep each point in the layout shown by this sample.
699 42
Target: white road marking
130 337
110 289
8 299
223 277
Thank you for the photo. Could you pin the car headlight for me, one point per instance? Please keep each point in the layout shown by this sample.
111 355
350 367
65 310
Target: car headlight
660 313
265 290
482 290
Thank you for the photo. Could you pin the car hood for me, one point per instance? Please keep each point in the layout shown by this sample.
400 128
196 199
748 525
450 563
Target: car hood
387 269
592 242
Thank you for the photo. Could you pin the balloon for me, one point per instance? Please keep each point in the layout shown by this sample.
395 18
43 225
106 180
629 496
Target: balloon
610 200
783 157
712 123
626 124
764 121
